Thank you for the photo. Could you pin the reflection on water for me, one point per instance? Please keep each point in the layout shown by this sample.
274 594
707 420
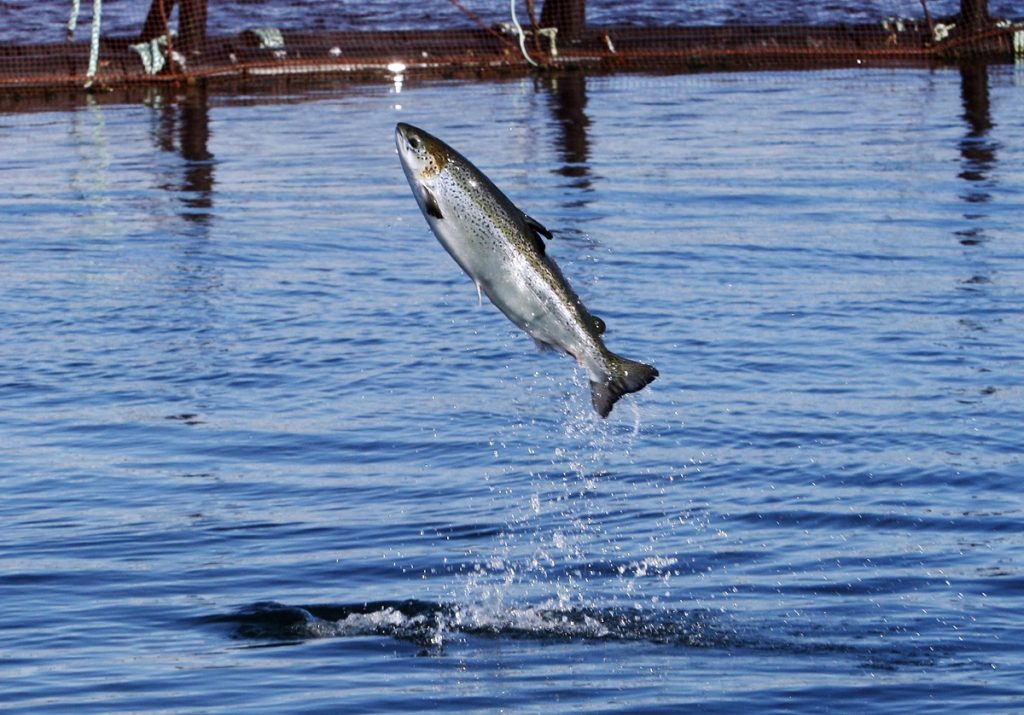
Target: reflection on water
977 151
567 96
978 161
89 178
183 128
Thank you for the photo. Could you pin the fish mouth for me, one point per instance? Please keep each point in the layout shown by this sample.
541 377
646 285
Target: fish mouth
408 135
400 132
406 154
409 145
421 154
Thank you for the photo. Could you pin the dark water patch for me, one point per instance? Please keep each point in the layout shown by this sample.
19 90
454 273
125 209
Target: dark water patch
851 519
431 624
438 626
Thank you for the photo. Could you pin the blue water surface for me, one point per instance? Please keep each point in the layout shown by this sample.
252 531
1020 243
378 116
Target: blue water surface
45 21
262 451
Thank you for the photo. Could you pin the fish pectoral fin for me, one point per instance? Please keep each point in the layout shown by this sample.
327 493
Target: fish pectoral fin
430 204
537 226
543 346
479 294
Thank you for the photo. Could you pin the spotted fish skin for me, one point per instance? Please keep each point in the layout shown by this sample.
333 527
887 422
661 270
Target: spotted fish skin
502 250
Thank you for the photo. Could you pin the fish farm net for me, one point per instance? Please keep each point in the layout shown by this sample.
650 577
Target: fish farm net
96 44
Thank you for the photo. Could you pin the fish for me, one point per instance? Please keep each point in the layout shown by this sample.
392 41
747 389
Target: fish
502 249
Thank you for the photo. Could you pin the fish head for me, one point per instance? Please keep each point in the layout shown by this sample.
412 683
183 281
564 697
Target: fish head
423 155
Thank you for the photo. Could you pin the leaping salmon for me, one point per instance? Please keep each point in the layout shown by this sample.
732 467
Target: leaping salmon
502 249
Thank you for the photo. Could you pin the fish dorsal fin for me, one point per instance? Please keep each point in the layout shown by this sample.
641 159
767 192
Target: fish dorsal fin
533 235
537 226
430 204
536 242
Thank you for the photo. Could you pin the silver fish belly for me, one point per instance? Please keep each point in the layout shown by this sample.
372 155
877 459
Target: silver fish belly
502 250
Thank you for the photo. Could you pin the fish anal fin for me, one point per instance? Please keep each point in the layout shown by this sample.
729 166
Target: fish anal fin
430 204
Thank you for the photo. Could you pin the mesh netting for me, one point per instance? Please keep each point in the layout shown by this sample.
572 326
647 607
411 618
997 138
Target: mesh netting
52 43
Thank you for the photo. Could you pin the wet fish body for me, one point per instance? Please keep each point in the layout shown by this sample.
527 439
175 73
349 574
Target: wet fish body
502 250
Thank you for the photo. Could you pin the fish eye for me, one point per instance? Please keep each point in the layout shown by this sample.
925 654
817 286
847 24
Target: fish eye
414 142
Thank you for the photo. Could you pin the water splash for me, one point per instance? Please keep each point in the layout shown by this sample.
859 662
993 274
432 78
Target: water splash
568 540
435 626
432 625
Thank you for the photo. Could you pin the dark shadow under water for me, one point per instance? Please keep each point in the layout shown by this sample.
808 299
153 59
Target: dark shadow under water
434 625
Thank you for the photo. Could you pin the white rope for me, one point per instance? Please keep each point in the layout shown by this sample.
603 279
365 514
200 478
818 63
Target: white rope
94 43
73 20
522 35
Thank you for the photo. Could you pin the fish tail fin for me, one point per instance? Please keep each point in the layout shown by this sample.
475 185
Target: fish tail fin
625 376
